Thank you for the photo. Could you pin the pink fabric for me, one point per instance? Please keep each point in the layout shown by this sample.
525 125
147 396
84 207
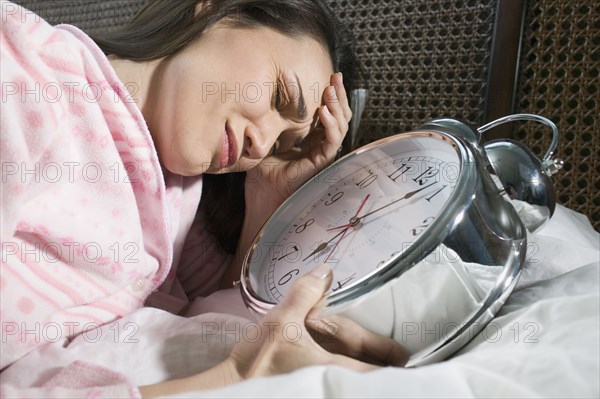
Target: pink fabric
91 225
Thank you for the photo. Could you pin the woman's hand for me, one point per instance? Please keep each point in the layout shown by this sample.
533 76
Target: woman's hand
279 175
286 344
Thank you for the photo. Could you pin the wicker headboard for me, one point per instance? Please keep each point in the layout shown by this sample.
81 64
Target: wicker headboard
434 58
425 59
90 16
559 78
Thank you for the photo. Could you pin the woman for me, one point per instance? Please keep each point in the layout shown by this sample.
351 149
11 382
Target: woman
104 159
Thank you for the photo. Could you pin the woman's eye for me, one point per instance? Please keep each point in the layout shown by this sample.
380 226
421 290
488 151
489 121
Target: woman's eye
280 97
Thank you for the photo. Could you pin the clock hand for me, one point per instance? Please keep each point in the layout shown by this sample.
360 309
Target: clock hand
354 217
324 245
348 227
295 249
336 244
355 220
406 196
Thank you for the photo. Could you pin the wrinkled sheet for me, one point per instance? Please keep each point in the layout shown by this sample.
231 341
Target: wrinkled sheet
544 342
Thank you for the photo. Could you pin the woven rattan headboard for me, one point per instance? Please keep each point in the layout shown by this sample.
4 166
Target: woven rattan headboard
425 59
89 15
560 78
431 58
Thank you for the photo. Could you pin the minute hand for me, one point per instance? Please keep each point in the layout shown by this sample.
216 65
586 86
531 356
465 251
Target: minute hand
406 196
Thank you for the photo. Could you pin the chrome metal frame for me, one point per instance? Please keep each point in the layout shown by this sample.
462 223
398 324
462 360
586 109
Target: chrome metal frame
479 224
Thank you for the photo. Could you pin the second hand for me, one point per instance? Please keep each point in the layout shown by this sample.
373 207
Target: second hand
347 228
324 245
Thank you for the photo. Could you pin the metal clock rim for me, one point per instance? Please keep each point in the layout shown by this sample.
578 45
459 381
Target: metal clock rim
459 200
462 196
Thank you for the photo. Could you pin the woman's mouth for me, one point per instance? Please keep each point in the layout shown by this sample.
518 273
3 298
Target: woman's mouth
228 148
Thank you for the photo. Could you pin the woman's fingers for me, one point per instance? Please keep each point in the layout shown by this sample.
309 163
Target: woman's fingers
333 136
343 336
333 104
335 116
305 293
337 102
337 80
277 352
323 142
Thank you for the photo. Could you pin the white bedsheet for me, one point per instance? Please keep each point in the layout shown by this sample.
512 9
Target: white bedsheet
544 342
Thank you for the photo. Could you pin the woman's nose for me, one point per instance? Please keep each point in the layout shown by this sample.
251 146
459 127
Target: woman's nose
258 142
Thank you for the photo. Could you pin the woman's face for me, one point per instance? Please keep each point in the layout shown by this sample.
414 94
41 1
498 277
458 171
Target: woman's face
228 99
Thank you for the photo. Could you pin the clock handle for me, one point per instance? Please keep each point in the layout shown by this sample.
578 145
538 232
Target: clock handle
552 165
523 175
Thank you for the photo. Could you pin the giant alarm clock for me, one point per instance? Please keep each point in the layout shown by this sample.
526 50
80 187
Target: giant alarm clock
419 230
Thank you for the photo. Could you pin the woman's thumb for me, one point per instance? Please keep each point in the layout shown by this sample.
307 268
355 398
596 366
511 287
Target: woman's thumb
306 292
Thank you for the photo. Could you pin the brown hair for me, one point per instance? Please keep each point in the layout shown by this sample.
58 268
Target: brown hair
164 28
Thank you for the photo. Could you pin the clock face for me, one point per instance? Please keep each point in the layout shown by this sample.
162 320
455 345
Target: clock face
358 215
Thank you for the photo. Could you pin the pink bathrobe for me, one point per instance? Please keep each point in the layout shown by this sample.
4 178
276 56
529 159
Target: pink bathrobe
92 226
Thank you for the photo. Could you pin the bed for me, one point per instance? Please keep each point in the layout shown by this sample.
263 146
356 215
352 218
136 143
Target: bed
544 342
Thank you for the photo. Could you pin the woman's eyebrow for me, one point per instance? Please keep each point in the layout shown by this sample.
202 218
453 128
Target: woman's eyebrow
300 102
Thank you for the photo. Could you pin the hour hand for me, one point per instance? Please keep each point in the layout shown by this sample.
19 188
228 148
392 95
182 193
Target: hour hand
321 247
324 245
